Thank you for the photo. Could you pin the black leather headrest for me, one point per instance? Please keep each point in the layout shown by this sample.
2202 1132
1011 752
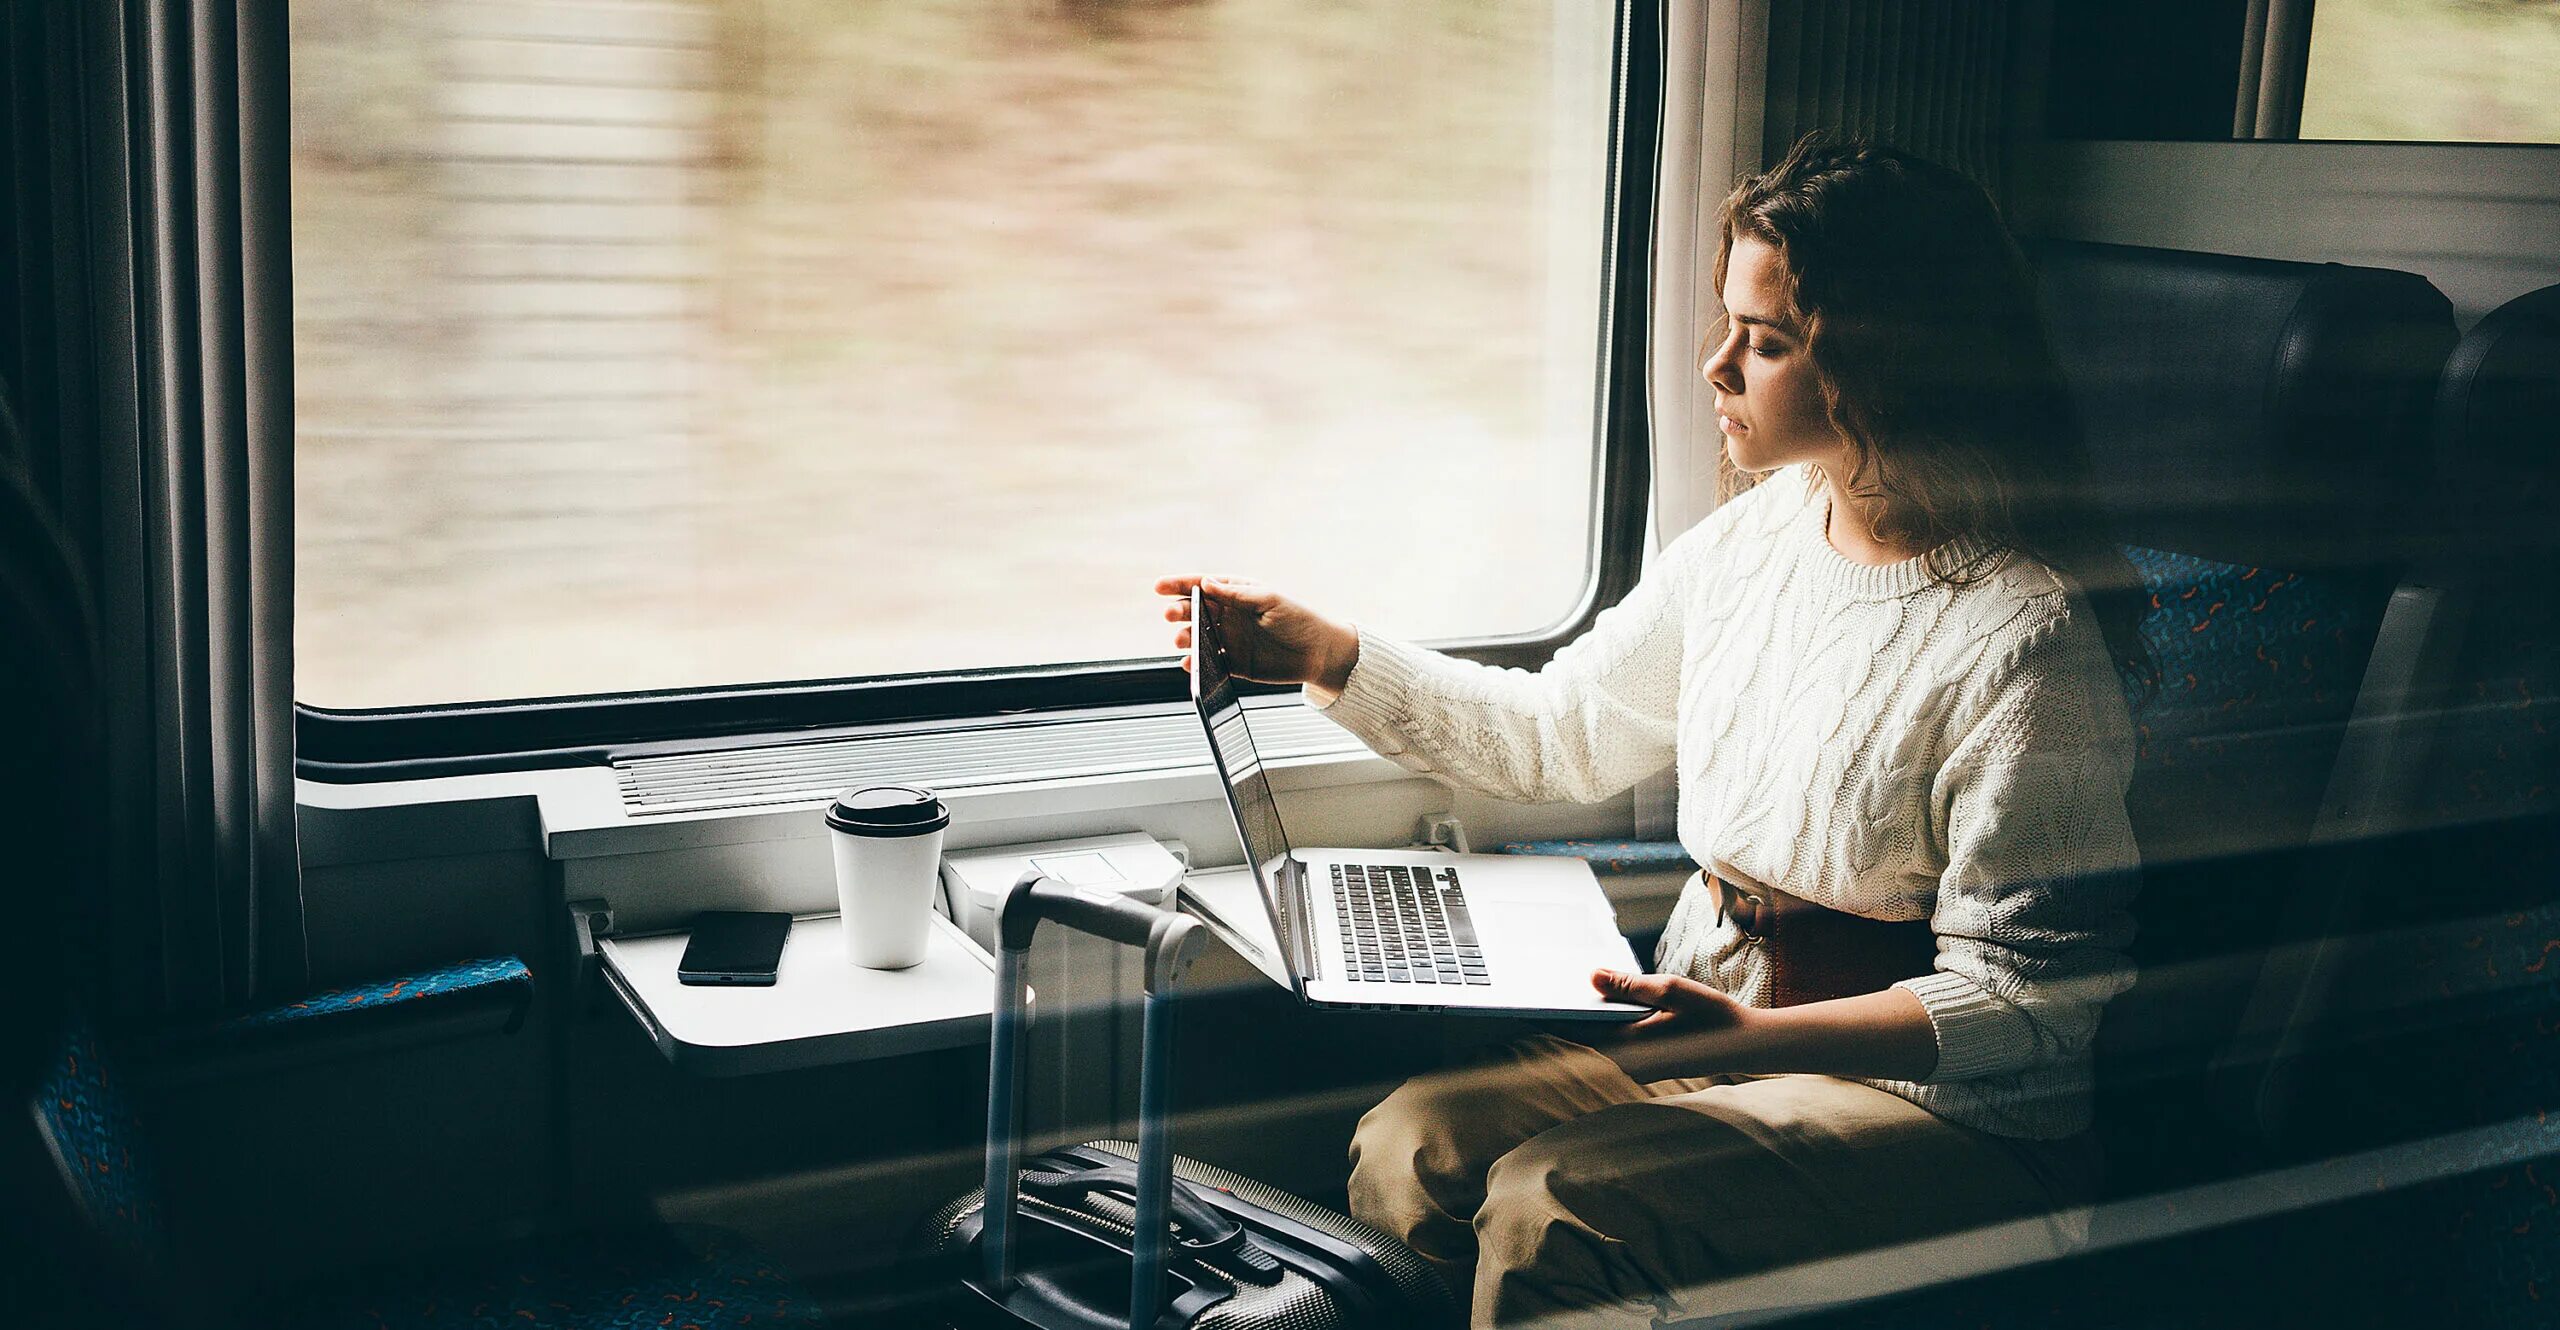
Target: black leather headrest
2497 432
2253 411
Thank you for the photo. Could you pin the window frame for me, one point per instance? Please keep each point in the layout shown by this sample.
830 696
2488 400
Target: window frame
410 743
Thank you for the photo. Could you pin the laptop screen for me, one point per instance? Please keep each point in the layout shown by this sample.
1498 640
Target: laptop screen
1213 690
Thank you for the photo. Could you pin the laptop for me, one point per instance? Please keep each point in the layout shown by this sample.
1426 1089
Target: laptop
1407 929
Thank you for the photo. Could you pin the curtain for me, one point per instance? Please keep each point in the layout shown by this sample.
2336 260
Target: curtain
1711 137
154 384
1933 77
1714 52
2275 59
216 519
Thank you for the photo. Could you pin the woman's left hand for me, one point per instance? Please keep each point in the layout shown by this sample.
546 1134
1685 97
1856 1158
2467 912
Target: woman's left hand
1681 1006
1691 1023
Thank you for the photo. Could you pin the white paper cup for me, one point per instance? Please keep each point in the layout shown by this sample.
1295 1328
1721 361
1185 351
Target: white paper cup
888 850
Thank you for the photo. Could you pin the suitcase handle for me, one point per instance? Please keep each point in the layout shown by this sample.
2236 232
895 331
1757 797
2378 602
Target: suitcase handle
1173 941
1204 1229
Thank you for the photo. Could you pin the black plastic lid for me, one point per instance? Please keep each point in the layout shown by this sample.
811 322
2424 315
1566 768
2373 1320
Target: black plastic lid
888 810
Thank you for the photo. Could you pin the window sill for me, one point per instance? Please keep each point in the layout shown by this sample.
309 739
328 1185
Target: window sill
582 812
657 868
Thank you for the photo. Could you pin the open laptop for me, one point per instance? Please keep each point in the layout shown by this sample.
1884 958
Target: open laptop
1499 934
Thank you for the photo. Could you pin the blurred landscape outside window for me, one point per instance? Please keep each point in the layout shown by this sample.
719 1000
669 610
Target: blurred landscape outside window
649 344
2446 71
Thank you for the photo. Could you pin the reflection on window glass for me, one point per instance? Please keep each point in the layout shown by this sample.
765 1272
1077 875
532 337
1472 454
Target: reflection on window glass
2455 71
664 343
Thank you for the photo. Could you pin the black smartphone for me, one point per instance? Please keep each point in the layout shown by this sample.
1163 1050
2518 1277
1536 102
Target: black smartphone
734 947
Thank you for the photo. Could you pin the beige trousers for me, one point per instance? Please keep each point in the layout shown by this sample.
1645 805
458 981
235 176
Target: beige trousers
1566 1194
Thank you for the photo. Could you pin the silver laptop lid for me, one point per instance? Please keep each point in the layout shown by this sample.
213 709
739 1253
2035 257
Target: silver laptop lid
1249 799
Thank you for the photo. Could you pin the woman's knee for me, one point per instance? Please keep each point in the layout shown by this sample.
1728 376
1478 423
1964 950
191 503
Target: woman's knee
1540 1255
1411 1174
1521 1189
1426 1147
1406 1138
1428 1122
1624 1187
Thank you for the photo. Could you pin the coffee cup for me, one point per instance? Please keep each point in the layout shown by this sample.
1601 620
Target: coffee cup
888 851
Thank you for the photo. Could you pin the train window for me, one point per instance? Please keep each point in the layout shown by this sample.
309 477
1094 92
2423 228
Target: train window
2454 71
675 344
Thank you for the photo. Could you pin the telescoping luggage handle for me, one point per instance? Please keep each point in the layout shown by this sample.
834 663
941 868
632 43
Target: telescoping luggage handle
1173 941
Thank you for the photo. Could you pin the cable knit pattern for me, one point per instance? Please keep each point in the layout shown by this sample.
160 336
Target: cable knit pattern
1865 737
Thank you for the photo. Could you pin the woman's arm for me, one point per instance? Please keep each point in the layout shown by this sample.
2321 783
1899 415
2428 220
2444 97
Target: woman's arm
1598 718
1696 1031
2032 914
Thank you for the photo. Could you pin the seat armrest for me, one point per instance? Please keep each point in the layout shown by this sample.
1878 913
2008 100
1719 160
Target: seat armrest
489 994
1612 858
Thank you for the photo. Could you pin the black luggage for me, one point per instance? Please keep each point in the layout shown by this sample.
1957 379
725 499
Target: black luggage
1107 1235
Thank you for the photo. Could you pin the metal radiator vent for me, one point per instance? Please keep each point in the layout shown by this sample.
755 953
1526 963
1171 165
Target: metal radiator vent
994 754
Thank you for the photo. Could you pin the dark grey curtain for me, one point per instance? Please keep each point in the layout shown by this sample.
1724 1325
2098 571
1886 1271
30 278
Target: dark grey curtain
2275 59
152 357
1929 76
215 458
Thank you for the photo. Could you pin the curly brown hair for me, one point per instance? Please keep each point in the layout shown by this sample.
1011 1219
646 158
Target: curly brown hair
1920 317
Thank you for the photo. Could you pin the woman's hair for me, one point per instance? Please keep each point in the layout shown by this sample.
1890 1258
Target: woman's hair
1919 314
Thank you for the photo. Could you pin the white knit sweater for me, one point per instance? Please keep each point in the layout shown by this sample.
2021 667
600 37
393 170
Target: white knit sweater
1864 737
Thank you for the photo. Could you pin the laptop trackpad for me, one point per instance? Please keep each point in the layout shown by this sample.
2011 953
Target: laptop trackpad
1545 923
1506 890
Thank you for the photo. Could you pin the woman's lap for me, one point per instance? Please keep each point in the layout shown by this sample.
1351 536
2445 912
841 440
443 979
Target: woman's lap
1589 1197
1419 1159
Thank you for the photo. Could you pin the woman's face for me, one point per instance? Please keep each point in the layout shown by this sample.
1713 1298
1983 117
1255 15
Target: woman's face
1768 394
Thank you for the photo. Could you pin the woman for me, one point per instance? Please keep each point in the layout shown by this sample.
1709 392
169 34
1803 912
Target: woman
1902 749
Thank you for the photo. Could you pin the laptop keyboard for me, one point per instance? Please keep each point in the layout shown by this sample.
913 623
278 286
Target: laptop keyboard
1403 924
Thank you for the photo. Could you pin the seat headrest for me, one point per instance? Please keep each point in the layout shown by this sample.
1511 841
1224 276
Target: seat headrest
2251 411
2497 432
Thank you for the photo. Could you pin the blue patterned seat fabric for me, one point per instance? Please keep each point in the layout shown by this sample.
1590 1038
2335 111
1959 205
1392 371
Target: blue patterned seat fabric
89 1121
496 977
1612 857
2258 674
2246 653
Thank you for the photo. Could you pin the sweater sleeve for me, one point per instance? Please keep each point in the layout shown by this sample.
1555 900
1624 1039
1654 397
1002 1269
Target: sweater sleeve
2032 909
1598 718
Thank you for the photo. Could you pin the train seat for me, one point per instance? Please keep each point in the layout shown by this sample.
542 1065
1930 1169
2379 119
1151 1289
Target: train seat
2416 1099
2437 1025
2456 891
2250 422
86 1237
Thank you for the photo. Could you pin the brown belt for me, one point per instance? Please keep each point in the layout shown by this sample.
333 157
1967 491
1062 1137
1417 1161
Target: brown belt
1813 953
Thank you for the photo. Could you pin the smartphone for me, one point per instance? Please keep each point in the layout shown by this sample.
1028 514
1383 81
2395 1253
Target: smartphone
734 947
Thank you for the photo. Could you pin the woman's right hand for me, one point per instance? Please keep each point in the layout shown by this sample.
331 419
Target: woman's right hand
1270 638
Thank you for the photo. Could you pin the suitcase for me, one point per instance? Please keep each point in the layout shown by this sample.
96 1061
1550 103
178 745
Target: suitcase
1110 1234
